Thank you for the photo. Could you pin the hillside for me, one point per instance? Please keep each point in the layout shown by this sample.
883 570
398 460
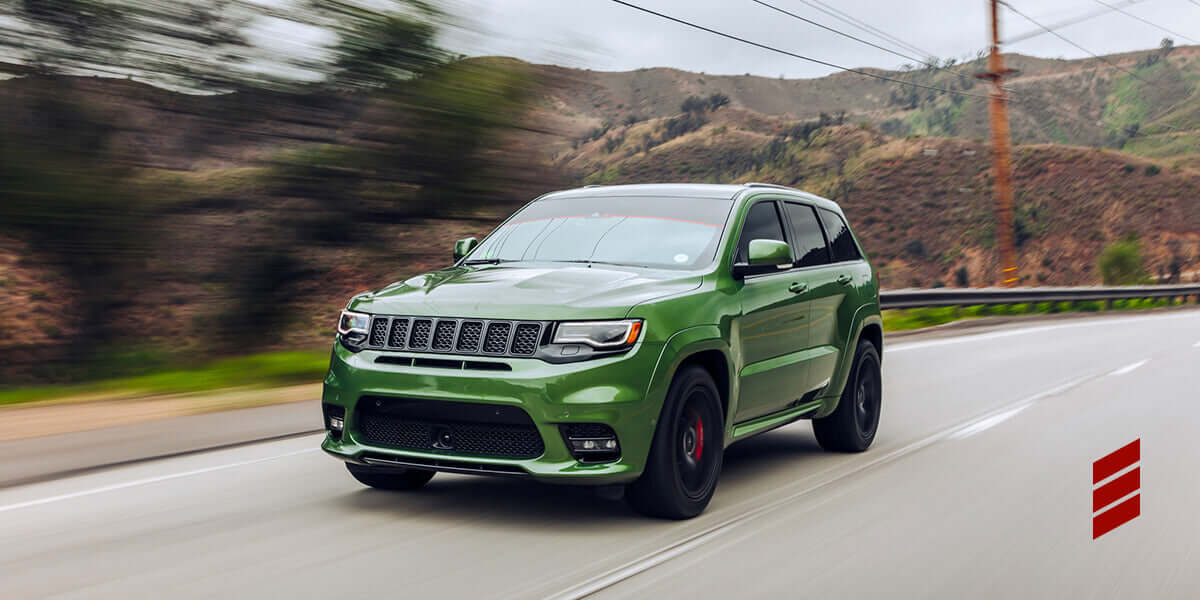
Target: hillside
924 205
913 175
1079 102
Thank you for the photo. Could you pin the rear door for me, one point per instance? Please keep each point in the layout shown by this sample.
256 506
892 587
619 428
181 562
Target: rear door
773 324
835 297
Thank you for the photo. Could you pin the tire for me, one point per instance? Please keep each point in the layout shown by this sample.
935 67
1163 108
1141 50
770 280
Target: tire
852 426
686 453
387 478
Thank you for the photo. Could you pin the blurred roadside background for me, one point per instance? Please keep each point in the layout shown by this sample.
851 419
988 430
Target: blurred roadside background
171 192
186 199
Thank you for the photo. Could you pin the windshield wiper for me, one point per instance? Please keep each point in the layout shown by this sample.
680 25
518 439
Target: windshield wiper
600 262
489 261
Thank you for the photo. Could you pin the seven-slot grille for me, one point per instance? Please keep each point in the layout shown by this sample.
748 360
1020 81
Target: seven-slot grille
455 336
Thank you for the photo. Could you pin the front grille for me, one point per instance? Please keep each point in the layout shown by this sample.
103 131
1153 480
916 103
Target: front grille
443 335
452 428
497 337
468 336
455 336
378 331
419 338
399 333
526 338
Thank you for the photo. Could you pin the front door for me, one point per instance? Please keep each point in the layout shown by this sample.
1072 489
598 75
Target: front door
773 326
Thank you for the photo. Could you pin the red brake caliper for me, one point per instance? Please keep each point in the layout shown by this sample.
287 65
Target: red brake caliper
699 437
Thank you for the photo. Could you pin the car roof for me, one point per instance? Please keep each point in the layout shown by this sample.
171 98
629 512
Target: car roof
688 190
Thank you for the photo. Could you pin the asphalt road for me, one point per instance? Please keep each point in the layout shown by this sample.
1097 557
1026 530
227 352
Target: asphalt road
979 485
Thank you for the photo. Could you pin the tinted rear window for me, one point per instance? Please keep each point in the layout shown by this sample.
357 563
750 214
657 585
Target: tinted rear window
807 236
841 243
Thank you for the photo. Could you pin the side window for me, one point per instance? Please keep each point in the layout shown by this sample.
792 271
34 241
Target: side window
762 223
840 242
807 236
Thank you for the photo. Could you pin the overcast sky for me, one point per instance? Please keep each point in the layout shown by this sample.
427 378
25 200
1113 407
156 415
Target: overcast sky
603 35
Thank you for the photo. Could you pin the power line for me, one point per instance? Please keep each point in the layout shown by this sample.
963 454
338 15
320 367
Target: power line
793 54
863 25
1064 38
1152 24
1072 21
1098 57
858 39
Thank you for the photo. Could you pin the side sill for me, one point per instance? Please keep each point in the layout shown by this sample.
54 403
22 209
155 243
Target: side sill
777 419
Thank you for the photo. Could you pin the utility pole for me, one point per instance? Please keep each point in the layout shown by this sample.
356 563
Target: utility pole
1001 154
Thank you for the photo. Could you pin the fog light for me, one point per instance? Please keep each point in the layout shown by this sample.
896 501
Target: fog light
335 420
592 442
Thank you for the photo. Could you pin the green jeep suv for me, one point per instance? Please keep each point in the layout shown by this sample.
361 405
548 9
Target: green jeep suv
614 335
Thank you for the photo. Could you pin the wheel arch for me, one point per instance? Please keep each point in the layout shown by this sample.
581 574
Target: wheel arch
872 331
717 364
868 324
705 347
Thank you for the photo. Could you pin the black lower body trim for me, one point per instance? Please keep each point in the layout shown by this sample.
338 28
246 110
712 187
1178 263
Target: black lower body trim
444 466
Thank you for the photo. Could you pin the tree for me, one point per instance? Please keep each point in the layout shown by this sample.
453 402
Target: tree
1121 263
693 104
204 45
962 277
380 50
75 205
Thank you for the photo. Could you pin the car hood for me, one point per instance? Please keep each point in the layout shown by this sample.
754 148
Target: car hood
526 292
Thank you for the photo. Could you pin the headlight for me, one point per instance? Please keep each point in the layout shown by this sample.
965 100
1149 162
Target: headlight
352 322
599 334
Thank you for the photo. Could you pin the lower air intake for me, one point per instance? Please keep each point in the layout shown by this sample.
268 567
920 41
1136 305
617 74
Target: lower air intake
452 428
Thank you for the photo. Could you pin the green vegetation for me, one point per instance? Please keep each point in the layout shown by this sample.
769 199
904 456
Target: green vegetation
1166 145
260 370
417 132
938 118
1126 108
917 318
1121 263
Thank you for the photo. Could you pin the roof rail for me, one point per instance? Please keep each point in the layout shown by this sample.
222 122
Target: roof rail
768 185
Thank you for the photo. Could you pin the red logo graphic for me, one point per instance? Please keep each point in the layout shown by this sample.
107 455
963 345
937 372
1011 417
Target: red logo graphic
1105 515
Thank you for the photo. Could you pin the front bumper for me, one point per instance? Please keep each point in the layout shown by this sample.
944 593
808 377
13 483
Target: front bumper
615 391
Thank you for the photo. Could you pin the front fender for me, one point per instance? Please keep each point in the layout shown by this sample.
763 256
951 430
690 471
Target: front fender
678 348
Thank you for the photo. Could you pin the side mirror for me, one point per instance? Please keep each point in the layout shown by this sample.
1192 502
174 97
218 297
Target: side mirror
464 247
764 256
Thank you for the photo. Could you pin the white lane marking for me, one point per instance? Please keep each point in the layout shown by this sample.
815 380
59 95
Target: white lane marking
147 480
662 555
902 346
1129 368
1196 345
987 423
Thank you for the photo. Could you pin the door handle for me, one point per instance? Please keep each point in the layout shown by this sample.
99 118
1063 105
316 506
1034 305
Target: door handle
797 287
844 279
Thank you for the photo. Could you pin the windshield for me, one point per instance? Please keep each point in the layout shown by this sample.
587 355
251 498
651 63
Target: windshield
676 233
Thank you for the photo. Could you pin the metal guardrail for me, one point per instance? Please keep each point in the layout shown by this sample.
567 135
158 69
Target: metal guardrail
975 296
